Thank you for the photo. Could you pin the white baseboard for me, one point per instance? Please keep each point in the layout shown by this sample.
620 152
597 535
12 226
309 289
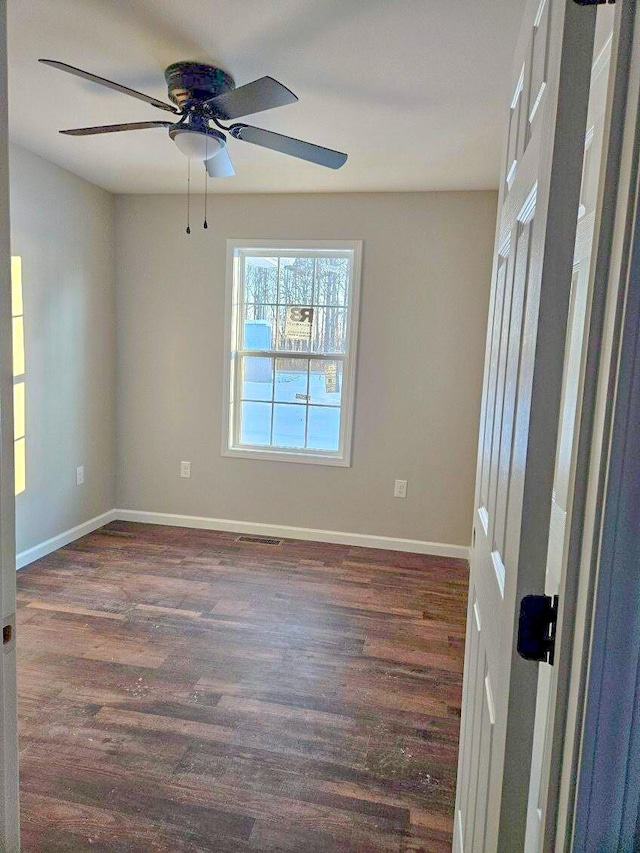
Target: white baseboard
62 539
336 537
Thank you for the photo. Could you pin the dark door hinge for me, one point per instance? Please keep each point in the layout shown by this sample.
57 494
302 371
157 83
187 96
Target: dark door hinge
9 633
537 628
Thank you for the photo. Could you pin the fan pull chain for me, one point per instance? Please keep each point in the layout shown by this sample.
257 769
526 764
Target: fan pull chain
188 195
206 180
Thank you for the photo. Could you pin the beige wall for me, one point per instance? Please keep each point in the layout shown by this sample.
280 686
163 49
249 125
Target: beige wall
62 227
426 277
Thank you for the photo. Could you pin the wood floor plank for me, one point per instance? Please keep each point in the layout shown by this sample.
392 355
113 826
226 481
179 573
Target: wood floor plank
183 691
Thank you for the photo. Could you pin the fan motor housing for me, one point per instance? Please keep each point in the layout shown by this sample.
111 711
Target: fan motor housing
195 81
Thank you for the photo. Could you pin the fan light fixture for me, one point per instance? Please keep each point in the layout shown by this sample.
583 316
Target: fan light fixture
220 166
198 145
202 95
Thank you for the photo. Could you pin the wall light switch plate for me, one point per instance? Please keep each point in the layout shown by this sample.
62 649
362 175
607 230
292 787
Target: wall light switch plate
400 490
185 469
79 475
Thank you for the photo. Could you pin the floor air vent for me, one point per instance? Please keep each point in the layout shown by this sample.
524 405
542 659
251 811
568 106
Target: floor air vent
259 540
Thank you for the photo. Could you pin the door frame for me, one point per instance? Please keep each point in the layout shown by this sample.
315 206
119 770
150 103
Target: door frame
594 785
9 809
577 585
606 795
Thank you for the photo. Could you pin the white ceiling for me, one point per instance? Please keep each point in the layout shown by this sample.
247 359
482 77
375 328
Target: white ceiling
413 90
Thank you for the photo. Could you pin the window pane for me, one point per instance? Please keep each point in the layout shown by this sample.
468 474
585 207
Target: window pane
18 346
259 327
261 280
257 378
296 281
291 380
288 425
288 337
323 431
325 383
20 462
255 426
18 411
16 286
330 330
332 281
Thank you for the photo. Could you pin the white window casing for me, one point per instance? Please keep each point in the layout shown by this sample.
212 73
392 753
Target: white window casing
291 333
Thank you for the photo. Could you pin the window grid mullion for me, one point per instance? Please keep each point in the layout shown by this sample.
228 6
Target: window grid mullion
274 361
274 364
291 403
306 411
313 356
285 304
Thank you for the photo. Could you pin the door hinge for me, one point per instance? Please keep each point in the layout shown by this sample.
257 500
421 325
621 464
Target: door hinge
9 633
537 627
593 2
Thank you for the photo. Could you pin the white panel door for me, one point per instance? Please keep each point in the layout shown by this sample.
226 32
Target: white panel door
524 358
573 384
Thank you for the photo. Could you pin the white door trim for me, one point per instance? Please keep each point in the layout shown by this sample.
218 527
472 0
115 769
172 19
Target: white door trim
611 249
554 732
604 802
9 811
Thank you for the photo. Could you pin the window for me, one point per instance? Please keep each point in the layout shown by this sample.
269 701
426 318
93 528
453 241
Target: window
19 412
292 316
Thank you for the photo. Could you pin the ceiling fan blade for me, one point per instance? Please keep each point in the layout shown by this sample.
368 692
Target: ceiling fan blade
220 166
115 128
78 72
263 94
288 145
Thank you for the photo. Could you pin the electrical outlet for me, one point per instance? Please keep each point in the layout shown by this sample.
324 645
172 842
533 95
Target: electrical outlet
185 469
400 490
79 475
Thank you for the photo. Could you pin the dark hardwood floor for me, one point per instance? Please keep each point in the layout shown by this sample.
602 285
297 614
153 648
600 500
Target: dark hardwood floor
183 691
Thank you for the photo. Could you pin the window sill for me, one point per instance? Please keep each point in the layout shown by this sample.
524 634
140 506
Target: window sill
284 456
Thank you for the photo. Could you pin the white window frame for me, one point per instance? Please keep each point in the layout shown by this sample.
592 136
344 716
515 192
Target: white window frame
236 251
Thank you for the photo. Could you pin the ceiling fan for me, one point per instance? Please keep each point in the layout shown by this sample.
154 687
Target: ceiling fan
204 95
